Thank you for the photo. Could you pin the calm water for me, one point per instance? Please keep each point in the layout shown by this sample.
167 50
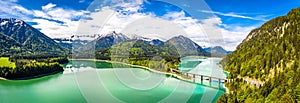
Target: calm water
94 81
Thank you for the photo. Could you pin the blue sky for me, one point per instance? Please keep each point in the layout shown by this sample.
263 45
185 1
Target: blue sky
260 9
229 20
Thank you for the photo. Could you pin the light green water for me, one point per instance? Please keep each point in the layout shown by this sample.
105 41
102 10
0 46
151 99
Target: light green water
97 81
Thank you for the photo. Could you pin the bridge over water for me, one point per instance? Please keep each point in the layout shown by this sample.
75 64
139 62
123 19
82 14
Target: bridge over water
207 72
200 78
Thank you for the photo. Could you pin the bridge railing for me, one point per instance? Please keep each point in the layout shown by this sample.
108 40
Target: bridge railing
194 76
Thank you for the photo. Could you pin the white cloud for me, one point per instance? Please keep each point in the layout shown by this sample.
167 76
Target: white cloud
206 32
210 31
47 16
153 27
108 19
191 26
38 13
55 30
235 36
81 1
234 15
9 9
60 22
128 21
22 9
48 6
56 21
50 11
12 0
99 18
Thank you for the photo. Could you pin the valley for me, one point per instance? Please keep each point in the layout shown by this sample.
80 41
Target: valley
149 51
24 45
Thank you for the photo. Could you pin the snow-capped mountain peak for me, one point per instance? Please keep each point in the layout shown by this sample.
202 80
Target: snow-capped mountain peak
11 22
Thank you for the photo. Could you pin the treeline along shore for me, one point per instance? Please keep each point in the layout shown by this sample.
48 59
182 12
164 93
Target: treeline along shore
28 67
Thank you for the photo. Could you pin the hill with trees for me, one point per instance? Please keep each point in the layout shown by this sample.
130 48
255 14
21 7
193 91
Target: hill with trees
216 51
27 69
31 53
186 47
138 52
22 39
269 55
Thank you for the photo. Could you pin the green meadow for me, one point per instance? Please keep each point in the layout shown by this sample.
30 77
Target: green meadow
4 62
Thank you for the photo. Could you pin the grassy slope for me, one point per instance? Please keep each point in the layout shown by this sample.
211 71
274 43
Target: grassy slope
4 62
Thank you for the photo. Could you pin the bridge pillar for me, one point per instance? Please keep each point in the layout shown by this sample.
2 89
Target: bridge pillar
194 76
219 82
201 78
210 81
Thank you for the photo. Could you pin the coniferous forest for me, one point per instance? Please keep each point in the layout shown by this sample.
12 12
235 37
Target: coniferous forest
270 57
26 68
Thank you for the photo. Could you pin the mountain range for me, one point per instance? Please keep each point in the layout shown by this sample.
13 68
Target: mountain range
19 38
178 45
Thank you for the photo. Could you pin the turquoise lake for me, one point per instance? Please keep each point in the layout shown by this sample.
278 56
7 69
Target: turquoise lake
99 81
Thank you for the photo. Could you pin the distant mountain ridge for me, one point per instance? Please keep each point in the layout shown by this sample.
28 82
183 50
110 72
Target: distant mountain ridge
217 51
25 39
110 39
186 47
148 40
177 45
28 37
103 41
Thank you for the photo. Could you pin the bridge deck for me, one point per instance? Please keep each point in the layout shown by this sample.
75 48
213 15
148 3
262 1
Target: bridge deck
194 76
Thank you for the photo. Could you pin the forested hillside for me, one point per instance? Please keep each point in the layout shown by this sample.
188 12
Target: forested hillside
270 55
8 45
27 68
179 46
186 47
138 52
17 35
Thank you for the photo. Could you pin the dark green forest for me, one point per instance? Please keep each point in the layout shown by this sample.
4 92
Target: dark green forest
137 52
26 69
270 54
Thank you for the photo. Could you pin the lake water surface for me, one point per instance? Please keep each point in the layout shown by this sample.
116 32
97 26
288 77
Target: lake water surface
94 81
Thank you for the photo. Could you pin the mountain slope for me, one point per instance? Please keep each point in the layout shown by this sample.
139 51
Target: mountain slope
8 45
138 48
109 40
30 38
173 47
216 51
148 40
270 54
104 41
185 46
138 52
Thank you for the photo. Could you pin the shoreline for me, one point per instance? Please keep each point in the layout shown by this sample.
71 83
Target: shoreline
142 67
155 71
226 88
176 76
33 77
